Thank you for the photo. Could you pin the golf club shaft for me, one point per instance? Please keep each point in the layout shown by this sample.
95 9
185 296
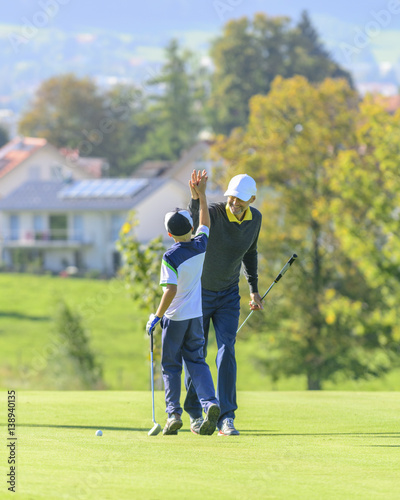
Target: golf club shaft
152 373
283 271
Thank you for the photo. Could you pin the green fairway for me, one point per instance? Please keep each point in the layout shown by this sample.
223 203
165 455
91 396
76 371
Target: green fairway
293 445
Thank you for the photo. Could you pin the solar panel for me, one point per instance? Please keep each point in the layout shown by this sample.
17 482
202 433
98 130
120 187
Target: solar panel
103 188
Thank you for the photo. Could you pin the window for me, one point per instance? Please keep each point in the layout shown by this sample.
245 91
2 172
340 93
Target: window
14 227
58 227
56 173
38 227
77 224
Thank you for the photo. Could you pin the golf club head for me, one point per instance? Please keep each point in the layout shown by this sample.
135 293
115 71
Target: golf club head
156 429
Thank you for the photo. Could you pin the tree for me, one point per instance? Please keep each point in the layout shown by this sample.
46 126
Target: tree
321 328
366 211
75 113
77 360
250 54
68 112
131 123
141 266
174 119
309 56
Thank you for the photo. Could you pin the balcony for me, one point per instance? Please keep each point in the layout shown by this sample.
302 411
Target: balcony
56 238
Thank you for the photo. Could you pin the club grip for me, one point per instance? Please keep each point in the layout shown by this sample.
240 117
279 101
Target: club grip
286 267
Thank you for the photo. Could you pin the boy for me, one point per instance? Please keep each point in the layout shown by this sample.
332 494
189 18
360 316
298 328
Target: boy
180 308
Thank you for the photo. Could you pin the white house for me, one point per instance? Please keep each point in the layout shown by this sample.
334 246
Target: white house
61 223
34 159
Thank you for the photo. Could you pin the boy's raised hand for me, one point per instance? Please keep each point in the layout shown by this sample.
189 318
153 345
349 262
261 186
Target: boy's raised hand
199 186
196 179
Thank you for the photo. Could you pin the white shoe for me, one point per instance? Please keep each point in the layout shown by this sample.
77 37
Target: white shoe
195 424
227 428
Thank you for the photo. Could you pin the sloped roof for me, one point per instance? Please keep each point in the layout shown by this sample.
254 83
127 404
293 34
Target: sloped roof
154 168
18 150
53 195
94 166
390 103
159 168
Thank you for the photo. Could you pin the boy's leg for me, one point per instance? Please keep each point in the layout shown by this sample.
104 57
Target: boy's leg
192 353
192 404
173 333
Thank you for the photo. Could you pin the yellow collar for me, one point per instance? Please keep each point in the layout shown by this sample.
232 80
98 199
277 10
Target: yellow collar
247 215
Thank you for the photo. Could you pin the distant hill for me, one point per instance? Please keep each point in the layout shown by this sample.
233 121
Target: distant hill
124 41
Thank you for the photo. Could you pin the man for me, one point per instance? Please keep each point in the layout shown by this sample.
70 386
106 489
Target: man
234 231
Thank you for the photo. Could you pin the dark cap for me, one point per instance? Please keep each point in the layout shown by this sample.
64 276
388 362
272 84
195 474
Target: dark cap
178 222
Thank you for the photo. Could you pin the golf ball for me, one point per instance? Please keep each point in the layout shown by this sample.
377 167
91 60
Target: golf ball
99 433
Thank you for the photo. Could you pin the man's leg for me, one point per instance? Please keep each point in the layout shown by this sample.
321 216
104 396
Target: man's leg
193 356
225 321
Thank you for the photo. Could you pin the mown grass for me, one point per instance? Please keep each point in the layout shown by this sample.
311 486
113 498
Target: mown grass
116 324
293 445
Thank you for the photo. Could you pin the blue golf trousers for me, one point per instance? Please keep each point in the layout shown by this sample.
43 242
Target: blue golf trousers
184 340
224 309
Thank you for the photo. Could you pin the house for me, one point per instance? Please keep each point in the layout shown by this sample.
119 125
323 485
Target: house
390 103
61 223
34 159
69 223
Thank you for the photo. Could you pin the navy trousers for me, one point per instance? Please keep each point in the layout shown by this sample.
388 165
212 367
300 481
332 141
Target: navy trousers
184 340
223 308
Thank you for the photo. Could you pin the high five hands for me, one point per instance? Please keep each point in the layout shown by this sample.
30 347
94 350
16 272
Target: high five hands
197 183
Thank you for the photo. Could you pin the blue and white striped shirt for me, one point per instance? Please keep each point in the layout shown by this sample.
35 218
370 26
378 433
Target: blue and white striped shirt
182 265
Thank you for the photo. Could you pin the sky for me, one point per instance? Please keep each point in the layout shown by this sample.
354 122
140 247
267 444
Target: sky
166 15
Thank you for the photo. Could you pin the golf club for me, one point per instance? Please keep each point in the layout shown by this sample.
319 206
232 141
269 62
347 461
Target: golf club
283 271
156 427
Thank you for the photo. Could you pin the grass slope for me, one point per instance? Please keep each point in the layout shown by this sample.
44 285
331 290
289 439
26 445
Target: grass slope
116 326
293 445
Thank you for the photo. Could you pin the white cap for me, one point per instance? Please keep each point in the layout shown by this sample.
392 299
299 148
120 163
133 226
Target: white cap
242 186
178 222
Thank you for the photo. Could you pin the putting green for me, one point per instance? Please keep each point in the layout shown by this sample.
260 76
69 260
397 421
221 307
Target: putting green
293 445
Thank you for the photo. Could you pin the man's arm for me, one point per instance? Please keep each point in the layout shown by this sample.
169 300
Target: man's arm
250 268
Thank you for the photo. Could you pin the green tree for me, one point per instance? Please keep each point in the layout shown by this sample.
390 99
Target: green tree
309 56
141 272
174 95
66 110
127 107
366 211
251 53
78 360
321 328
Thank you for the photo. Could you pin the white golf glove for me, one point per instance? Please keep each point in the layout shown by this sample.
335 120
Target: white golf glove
152 323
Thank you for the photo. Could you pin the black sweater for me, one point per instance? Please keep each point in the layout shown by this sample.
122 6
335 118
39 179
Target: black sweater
230 244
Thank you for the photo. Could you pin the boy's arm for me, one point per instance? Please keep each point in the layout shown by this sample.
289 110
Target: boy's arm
204 218
165 302
166 299
199 187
